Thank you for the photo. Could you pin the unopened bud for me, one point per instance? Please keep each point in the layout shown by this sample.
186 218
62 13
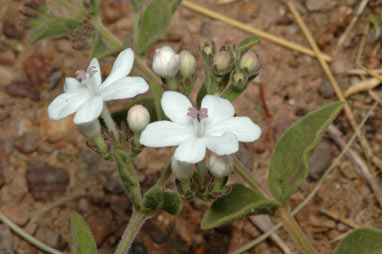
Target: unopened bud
238 77
166 63
187 63
222 60
181 170
220 166
249 61
137 118
90 130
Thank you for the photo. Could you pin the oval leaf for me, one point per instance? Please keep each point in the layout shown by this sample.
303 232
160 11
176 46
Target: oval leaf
53 27
83 241
241 202
156 18
361 241
172 202
247 43
289 163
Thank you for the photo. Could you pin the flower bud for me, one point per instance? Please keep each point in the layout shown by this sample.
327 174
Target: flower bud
181 170
90 130
222 60
137 118
166 63
249 61
238 77
220 166
187 63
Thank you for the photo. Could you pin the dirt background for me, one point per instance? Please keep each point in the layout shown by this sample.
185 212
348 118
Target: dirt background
47 171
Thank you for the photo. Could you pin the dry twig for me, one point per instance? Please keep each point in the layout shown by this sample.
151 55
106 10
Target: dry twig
349 114
340 218
362 86
247 28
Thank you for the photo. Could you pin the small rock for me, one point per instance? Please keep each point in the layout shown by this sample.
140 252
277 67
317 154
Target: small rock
284 21
342 227
23 89
113 185
346 169
15 213
248 11
138 248
156 234
27 143
326 90
55 129
101 228
44 147
52 238
37 67
12 31
6 242
7 57
320 5
320 159
46 181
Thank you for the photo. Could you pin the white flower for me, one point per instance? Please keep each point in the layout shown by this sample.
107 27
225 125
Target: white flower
87 98
220 166
213 126
137 118
166 63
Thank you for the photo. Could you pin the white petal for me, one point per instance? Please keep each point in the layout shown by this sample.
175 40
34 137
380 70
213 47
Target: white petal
89 111
223 145
244 129
66 104
127 87
219 109
72 85
181 170
175 105
165 133
121 67
97 75
173 65
192 150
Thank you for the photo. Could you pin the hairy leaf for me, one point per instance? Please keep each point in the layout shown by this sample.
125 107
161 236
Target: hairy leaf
289 163
241 202
98 47
248 42
361 241
53 27
172 202
83 241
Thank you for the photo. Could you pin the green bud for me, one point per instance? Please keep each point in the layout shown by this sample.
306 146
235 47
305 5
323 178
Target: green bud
221 60
187 63
249 61
238 77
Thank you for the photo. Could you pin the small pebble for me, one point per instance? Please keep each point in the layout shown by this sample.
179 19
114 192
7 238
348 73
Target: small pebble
15 213
52 238
326 90
27 143
138 248
23 89
113 185
6 242
12 31
101 227
320 159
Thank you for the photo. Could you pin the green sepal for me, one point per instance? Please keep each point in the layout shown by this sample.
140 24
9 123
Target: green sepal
248 42
52 27
153 200
172 202
241 202
202 92
289 163
361 241
83 240
155 21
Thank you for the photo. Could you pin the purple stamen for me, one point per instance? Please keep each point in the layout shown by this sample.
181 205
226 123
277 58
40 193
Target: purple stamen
91 71
81 75
203 113
193 112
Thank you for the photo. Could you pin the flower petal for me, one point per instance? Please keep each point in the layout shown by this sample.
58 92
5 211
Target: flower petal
165 133
66 104
243 127
127 87
192 150
121 67
175 105
89 111
219 109
72 85
223 145
97 75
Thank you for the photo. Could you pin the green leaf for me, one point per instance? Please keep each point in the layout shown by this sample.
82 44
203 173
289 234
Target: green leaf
98 47
137 4
172 202
289 163
153 200
241 202
94 6
157 93
156 19
247 43
361 241
83 241
148 102
53 27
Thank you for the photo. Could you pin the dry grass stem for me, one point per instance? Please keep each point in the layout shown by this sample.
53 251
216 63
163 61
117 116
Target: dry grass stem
340 218
252 30
362 86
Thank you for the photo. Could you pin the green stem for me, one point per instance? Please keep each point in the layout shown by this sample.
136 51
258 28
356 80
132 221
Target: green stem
136 221
171 83
100 143
240 169
106 34
27 237
294 229
137 17
164 177
70 8
109 121
201 170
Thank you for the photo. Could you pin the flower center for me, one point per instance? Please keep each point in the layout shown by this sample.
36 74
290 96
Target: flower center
87 77
198 116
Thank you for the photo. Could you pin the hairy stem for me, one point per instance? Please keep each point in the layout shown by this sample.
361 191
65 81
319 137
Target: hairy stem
164 177
294 229
109 121
136 221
